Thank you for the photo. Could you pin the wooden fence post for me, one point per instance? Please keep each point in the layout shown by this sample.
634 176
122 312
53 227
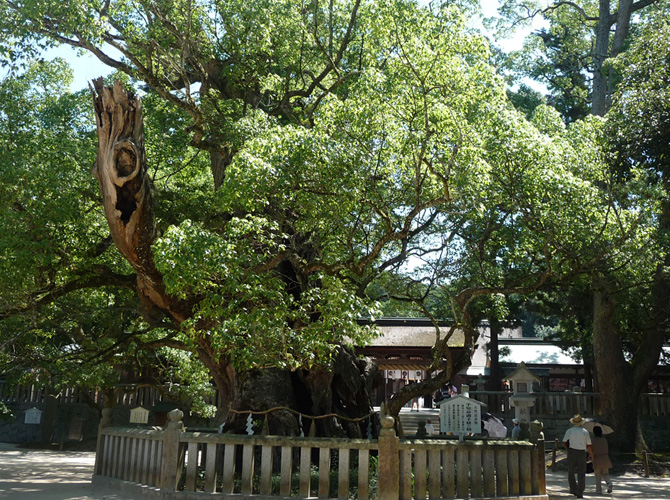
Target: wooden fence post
105 421
171 462
645 460
553 454
389 469
539 480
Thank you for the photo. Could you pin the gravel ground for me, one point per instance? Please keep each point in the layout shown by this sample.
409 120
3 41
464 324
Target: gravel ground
35 474
28 474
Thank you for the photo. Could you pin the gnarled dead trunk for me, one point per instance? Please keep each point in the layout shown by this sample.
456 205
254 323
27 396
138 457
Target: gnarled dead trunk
126 189
121 171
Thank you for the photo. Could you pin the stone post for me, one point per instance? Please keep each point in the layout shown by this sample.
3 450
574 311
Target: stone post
171 463
389 469
105 421
538 465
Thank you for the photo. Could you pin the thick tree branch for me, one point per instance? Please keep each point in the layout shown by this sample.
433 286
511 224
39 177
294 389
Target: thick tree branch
103 277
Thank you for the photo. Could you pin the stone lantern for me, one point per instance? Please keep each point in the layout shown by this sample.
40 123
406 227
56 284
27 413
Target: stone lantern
522 397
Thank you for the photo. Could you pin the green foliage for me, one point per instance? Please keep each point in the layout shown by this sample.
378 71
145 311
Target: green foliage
355 141
525 99
67 305
5 413
639 123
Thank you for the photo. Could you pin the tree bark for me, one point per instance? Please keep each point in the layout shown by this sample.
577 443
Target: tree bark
599 91
603 83
618 391
342 389
495 379
121 171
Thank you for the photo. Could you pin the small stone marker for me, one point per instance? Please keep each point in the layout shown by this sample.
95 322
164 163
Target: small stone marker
33 416
139 415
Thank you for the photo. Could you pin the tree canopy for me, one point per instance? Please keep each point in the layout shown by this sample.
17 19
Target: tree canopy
266 169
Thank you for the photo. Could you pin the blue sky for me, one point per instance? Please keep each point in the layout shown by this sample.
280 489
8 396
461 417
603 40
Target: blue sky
85 67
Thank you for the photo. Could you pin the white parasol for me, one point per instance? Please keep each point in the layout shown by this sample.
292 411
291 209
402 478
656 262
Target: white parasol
594 422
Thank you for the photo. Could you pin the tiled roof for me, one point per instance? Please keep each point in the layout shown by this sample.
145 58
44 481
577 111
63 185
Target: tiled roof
410 335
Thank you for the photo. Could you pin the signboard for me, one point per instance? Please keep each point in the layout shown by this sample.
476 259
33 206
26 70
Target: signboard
33 416
460 415
139 415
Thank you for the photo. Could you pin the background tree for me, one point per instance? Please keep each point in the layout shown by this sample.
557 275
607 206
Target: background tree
525 222
614 280
639 134
572 55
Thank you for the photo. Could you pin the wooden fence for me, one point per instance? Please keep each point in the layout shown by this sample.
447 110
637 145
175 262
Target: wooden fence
547 404
36 395
178 464
498 402
654 404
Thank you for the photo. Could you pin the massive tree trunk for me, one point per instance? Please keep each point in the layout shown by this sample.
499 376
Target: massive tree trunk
618 397
343 389
126 190
620 381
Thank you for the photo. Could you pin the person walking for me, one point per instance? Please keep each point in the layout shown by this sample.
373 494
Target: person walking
577 441
516 430
601 460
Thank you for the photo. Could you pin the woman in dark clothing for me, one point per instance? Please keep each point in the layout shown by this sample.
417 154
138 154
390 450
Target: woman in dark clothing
601 460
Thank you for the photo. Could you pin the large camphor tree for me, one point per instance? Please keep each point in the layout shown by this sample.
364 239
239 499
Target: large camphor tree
340 140
321 171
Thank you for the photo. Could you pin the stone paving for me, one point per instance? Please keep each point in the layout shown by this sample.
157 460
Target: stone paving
625 486
66 475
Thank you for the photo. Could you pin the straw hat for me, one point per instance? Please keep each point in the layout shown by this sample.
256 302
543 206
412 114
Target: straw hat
577 420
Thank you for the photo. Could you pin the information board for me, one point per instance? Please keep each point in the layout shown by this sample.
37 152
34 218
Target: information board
460 415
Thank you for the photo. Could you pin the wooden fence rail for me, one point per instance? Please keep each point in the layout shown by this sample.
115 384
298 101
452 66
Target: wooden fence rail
33 394
546 403
498 402
654 404
180 464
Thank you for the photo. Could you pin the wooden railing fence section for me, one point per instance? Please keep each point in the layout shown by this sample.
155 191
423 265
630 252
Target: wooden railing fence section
498 402
33 394
546 403
181 464
477 469
654 404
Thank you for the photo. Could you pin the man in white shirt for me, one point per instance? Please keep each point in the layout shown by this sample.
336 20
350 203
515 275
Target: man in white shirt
577 441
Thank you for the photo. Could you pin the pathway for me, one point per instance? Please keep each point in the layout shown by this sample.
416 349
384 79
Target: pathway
66 475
